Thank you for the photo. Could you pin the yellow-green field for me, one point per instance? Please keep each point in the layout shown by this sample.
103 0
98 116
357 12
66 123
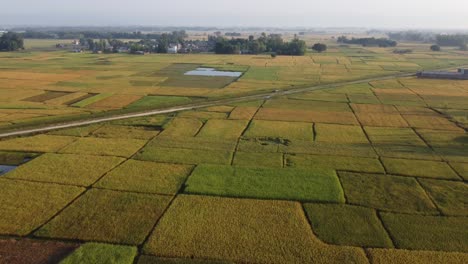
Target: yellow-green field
368 173
38 87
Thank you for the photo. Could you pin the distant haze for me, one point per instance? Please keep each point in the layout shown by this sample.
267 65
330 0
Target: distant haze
220 13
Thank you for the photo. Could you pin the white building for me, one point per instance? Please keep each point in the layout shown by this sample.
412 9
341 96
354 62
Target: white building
172 49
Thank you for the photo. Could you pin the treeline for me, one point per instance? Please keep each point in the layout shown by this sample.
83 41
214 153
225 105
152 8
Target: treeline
366 42
272 43
11 41
99 35
452 40
413 36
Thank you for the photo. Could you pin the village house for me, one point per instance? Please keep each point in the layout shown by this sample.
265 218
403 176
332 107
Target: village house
461 74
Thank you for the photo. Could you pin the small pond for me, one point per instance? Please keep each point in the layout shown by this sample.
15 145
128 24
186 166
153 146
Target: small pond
213 72
6 168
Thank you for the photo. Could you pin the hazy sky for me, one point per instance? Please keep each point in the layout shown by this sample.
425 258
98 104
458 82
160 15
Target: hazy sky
287 13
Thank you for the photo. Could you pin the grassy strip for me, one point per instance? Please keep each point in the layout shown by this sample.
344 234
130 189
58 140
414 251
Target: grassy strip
101 253
92 100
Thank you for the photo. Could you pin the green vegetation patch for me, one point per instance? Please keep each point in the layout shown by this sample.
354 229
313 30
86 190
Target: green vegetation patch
334 162
386 192
81 170
332 133
40 143
143 176
347 225
184 156
160 101
406 152
286 184
450 197
108 216
427 232
105 146
92 100
219 128
292 104
280 129
24 206
112 131
261 73
242 230
102 253
419 168
252 159
155 121
396 256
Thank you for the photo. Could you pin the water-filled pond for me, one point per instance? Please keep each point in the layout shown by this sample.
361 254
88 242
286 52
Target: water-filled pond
212 72
6 168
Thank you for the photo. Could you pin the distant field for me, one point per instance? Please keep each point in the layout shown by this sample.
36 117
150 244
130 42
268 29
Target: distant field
317 177
42 86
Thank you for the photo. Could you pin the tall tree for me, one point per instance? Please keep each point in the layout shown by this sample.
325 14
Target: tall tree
11 41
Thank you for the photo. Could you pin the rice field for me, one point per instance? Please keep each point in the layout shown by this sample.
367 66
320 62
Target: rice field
361 173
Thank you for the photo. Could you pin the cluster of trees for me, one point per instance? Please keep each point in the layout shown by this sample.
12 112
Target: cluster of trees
451 40
272 43
366 42
99 35
411 36
11 41
319 47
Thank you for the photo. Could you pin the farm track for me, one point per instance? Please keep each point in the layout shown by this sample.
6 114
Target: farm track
260 96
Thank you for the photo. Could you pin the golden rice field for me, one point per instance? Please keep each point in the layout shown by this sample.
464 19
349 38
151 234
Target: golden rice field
37 87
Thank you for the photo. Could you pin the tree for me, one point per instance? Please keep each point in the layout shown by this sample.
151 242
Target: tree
11 41
435 48
319 47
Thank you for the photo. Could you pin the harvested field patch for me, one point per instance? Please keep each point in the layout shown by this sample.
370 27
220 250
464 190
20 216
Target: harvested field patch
431 122
242 230
199 143
394 136
306 105
82 131
335 162
415 110
243 113
461 169
25 206
48 95
149 177
306 116
80 170
91 100
219 108
375 108
108 216
331 149
203 115
381 120
102 253
363 99
69 99
386 192
160 101
105 147
279 129
21 251
427 232
397 256
182 127
225 129
252 159
332 133
39 143
406 152
112 131
184 156
266 183
115 101
449 196
419 168
347 225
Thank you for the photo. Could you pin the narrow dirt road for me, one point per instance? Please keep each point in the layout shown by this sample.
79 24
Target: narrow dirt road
191 107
